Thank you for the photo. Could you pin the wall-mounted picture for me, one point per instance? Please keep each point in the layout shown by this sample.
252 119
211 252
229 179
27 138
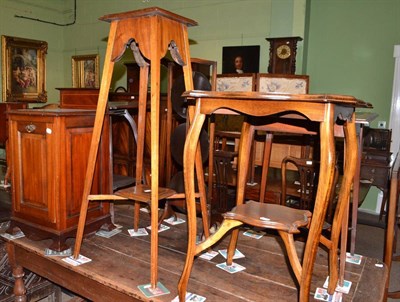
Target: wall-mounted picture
85 71
23 69
241 59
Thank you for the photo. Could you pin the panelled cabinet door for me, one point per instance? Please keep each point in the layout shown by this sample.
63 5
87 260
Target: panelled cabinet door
34 172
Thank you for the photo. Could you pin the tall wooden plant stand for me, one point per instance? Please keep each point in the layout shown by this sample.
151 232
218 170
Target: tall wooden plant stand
153 31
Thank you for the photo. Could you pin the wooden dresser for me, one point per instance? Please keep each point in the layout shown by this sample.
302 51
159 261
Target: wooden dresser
49 150
376 161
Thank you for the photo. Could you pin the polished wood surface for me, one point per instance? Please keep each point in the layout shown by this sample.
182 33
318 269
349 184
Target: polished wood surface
49 154
78 98
321 109
121 263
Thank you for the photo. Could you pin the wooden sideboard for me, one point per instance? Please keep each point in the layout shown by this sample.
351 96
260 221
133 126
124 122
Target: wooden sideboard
49 154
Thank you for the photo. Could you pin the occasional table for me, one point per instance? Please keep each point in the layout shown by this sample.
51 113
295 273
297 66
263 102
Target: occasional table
284 112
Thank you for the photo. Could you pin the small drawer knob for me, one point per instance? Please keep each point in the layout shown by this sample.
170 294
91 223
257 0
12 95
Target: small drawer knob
30 128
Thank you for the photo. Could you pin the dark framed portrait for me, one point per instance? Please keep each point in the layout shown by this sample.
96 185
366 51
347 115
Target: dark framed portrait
24 69
241 59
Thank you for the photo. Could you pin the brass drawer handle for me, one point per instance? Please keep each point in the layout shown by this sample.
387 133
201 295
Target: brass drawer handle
30 128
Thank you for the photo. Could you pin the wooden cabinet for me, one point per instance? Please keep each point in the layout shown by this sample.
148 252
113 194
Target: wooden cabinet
378 173
49 153
4 108
375 161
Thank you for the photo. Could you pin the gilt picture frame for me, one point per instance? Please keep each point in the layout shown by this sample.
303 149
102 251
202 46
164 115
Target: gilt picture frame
23 70
85 71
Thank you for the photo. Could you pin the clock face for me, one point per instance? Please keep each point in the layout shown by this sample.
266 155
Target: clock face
283 52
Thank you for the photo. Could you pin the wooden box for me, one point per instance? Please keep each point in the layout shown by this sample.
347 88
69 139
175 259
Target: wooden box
79 98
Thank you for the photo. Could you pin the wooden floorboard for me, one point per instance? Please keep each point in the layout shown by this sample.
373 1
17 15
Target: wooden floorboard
121 263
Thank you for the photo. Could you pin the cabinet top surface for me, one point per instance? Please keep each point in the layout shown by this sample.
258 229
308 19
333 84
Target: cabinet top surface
52 112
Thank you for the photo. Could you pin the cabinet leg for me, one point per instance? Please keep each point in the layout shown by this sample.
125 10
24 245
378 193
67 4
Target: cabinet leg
18 274
19 286
59 244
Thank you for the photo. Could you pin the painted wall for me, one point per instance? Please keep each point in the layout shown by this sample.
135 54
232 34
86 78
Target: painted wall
347 47
53 35
221 23
350 51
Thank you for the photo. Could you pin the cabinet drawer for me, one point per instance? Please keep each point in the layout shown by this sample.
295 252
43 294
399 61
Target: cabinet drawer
379 176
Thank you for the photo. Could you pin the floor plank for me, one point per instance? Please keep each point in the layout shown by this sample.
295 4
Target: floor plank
121 263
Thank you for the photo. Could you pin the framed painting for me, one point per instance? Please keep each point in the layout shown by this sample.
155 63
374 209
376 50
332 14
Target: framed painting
85 71
241 59
23 69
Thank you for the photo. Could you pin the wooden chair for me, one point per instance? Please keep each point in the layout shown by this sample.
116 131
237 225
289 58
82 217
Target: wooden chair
227 129
155 31
267 150
204 78
305 183
285 220
300 193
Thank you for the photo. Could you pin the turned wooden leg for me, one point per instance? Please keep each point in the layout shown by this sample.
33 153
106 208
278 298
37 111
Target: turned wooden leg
19 286
18 274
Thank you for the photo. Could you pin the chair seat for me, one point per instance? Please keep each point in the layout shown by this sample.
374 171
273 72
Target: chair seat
122 181
143 193
270 216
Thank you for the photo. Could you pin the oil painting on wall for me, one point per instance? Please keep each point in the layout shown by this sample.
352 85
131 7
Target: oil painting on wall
23 69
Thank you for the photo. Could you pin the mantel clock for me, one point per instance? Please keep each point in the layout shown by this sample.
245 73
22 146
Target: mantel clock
282 55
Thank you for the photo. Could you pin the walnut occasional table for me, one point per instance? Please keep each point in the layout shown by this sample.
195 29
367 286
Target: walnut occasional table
280 110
